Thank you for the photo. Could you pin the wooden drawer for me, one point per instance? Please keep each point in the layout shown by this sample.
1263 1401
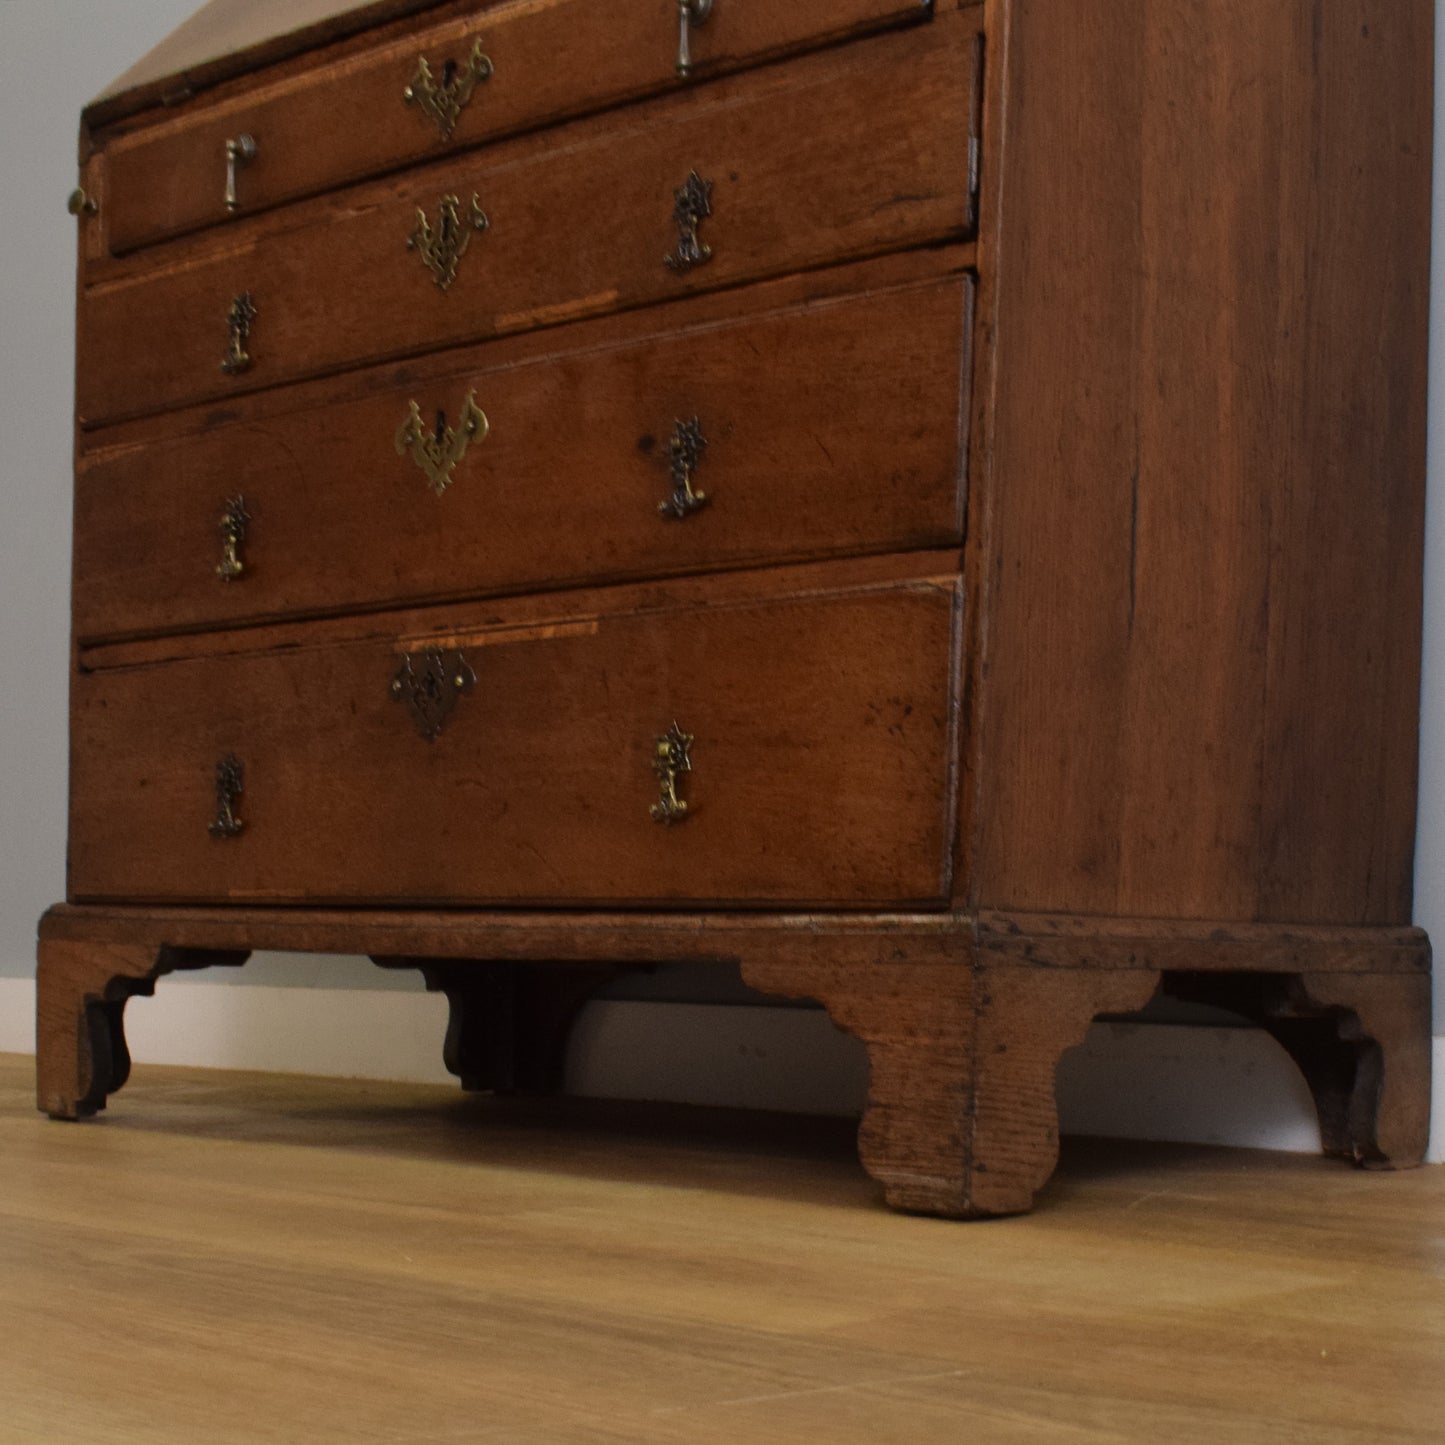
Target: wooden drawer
543 60
574 228
821 772
827 428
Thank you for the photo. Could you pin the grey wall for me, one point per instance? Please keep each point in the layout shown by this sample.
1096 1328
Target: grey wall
54 56
1430 841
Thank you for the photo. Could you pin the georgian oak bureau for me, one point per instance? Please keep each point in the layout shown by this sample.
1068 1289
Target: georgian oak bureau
922 500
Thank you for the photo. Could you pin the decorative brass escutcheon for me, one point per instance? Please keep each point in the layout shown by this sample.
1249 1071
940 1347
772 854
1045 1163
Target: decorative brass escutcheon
444 102
429 683
689 13
240 151
691 206
230 780
443 247
673 757
80 203
438 449
239 319
233 533
685 455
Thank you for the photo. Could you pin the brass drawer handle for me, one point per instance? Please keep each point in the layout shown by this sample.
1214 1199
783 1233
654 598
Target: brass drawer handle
239 319
240 151
691 206
689 13
233 533
429 683
82 204
444 103
672 759
685 454
437 450
230 783
443 246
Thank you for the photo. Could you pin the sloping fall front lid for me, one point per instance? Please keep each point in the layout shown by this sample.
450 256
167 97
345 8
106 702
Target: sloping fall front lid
225 38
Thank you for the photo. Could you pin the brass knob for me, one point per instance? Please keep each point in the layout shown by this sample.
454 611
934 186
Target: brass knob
81 204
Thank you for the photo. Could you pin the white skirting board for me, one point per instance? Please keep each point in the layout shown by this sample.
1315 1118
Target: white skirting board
1214 1085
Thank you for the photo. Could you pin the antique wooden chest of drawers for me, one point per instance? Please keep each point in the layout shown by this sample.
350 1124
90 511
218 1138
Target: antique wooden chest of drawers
920 499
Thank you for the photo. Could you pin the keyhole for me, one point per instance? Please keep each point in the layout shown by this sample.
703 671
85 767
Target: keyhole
441 427
449 73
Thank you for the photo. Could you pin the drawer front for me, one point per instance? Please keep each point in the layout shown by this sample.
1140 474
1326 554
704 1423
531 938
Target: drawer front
809 431
512 67
819 771
571 230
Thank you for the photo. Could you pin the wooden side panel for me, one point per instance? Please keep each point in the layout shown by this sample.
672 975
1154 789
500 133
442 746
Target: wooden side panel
1205 468
1347 519
344 120
821 767
577 227
828 428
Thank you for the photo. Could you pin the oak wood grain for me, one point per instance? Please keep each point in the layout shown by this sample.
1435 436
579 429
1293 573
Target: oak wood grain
1072 941
1163 706
339 122
575 229
895 271
964 1038
228 38
1036 941
342 1237
81 989
800 582
826 430
1205 459
821 768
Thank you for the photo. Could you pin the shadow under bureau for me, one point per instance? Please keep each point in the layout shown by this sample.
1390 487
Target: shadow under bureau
921 500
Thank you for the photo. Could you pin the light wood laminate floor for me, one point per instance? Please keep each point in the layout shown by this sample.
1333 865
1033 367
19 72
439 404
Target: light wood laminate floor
234 1257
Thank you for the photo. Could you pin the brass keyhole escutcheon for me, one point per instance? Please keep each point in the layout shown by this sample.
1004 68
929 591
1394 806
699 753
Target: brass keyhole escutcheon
438 450
442 246
429 684
444 102
672 758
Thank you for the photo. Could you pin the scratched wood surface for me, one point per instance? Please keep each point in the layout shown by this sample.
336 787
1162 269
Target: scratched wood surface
330 1261
1200 528
343 119
576 228
821 767
826 430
